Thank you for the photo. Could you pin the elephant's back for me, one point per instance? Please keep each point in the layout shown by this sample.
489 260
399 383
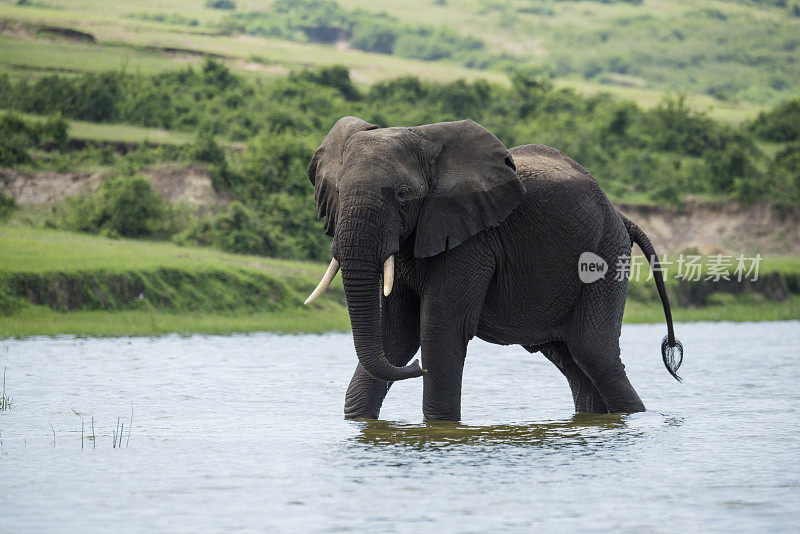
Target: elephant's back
556 183
538 163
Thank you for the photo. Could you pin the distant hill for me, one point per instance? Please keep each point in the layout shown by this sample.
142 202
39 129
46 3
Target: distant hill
732 58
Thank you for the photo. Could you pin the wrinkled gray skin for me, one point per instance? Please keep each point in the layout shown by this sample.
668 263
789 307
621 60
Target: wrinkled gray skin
486 243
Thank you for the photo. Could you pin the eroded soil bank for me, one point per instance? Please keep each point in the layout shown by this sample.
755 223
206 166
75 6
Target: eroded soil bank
696 227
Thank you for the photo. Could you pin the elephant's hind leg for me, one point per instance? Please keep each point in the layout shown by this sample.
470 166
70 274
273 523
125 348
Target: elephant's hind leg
593 342
400 332
586 397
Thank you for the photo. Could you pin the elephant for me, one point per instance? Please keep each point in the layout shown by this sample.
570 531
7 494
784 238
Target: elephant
472 239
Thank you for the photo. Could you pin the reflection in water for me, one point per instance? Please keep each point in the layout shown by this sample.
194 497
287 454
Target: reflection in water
579 430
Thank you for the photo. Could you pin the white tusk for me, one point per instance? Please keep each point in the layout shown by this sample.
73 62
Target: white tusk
333 268
388 275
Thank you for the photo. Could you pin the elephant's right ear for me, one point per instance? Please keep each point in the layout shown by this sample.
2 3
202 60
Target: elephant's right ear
326 167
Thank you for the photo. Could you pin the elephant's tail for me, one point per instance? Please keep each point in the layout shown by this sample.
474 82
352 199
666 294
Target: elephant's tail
671 348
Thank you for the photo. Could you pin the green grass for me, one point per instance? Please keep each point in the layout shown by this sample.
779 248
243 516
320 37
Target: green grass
630 51
39 251
743 311
185 289
126 133
137 45
46 57
40 320
733 112
202 290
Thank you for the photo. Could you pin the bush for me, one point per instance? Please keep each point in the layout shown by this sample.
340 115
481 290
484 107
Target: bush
13 149
336 76
238 230
54 130
7 206
274 164
221 4
206 150
127 207
781 124
18 136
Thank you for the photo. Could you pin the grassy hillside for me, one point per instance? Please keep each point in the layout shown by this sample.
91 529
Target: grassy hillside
731 58
55 282
741 50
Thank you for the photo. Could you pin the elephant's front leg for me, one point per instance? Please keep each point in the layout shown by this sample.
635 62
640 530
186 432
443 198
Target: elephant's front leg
444 349
451 307
400 333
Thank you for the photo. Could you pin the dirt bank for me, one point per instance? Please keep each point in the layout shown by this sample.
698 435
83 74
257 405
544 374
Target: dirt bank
725 228
174 182
48 186
702 227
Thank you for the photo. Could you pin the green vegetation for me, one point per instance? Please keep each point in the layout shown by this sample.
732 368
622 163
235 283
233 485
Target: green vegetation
737 310
5 401
170 18
123 206
16 135
724 55
710 110
43 321
780 124
7 206
54 282
221 4
659 155
115 132
323 21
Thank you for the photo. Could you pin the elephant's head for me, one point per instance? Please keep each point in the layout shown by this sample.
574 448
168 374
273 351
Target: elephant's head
437 184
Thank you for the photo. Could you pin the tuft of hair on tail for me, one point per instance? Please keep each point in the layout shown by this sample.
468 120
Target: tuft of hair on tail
672 354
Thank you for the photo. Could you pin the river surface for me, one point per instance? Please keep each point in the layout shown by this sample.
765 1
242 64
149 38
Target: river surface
246 432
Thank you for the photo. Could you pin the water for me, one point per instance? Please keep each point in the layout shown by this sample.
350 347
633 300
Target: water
246 432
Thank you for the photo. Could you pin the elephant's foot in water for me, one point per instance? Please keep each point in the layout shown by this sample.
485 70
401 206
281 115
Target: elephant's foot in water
585 395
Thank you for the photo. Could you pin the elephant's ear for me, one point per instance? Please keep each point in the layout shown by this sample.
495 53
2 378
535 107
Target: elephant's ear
326 167
474 185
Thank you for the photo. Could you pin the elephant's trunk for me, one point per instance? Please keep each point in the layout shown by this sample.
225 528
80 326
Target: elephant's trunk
362 289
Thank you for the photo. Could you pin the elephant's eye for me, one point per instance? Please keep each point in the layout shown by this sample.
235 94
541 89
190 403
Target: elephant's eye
402 193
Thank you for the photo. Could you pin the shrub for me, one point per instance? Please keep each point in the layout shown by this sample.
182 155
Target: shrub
7 206
54 130
221 4
336 76
780 124
127 207
238 230
13 149
206 150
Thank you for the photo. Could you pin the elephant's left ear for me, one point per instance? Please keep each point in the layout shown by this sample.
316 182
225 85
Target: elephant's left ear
474 185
